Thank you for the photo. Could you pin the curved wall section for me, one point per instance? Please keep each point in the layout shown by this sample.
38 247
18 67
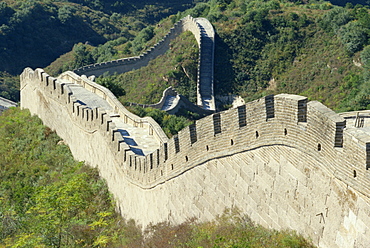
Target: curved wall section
284 161
203 32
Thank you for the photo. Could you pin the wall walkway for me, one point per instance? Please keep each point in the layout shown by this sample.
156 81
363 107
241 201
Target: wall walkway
5 104
205 36
284 161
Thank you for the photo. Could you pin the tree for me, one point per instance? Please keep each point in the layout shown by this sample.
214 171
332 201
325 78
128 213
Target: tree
82 55
353 36
110 82
334 19
65 13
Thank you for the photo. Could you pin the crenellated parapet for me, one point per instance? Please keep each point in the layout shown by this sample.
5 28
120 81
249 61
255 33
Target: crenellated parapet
282 120
284 161
118 109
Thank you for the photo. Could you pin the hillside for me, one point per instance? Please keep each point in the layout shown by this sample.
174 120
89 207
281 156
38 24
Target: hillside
312 48
292 47
34 33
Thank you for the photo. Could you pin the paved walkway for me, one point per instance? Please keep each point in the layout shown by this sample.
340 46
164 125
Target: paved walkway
137 138
206 64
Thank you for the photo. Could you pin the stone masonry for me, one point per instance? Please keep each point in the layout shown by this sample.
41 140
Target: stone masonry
284 161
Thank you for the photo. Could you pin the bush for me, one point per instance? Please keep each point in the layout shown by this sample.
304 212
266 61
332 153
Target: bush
145 35
65 13
112 84
170 124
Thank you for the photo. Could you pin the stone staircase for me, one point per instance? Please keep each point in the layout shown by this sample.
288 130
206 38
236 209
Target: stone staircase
206 62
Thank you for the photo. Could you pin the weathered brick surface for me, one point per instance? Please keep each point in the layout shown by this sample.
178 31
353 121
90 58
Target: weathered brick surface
284 168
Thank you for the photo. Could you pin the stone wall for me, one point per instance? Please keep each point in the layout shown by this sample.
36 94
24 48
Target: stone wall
284 161
205 63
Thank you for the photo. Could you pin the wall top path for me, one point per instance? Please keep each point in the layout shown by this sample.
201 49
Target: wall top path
205 36
92 101
6 103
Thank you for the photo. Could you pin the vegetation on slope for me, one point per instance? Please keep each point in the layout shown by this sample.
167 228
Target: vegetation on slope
36 32
46 198
177 68
171 124
49 200
310 48
290 48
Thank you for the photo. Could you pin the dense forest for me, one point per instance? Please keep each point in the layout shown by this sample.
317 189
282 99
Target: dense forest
319 49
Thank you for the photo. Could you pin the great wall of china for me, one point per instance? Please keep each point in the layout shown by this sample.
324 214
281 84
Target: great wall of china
204 34
282 160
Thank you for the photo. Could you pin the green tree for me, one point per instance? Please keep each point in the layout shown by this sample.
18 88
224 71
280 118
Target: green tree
5 13
144 35
353 36
334 19
82 56
111 83
65 13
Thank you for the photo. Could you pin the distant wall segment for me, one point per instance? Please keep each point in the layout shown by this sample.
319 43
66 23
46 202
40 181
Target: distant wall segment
204 34
284 161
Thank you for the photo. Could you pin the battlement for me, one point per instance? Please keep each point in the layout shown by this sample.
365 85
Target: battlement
286 120
307 159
